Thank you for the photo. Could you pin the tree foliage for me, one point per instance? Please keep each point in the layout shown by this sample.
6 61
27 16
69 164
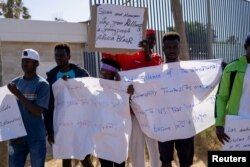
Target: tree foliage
14 9
197 37
232 39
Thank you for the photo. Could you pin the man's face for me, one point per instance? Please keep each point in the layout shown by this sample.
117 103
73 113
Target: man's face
171 49
29 65
61 57
106 74
151 40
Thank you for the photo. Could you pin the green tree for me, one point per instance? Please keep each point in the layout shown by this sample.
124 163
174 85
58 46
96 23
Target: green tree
14 9
197 37
232 39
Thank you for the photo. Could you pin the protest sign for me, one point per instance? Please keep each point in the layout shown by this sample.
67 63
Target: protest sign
11 123
116 29
175 100
238 129
91 116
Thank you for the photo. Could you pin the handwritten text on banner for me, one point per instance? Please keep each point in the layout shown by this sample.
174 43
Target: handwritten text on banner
175 100
119 26
238 129
91 116
11 123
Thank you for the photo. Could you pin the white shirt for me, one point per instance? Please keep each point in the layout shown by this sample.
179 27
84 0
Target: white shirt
244 108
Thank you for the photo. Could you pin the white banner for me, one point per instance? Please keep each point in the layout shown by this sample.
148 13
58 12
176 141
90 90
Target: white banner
119 26
11 123
91 116
175 100
238 129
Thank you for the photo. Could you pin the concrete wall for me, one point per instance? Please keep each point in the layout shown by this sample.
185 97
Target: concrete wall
11 57
42 31
17 35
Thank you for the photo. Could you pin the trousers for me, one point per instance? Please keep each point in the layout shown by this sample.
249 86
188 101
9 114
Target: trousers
137 147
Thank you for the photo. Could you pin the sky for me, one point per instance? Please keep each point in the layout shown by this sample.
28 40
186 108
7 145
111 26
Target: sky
78 11
68 10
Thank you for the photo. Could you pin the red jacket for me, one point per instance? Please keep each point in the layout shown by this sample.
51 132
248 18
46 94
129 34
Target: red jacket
133 61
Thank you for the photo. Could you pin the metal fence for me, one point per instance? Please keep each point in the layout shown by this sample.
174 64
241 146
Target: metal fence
230 24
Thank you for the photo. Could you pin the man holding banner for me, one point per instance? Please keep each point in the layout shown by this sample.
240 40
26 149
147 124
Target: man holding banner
143 58
233 96
32 92
184 147
64 70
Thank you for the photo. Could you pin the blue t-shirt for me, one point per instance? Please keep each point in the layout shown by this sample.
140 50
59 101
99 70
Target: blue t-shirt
70 74
36 90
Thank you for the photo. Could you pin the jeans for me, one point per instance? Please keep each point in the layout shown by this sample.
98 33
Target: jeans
19 150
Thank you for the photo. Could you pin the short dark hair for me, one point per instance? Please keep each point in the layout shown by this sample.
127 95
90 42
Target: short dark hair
63 46
247 40
111 62
171 36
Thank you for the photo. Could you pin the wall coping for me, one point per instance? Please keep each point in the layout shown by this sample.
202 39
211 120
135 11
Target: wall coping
18 30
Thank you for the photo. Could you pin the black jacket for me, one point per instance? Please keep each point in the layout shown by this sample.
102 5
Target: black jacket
51 78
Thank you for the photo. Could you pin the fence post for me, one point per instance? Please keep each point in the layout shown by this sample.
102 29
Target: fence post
180 28
209 31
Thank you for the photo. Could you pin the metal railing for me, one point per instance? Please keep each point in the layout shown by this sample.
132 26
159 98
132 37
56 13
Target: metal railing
230 24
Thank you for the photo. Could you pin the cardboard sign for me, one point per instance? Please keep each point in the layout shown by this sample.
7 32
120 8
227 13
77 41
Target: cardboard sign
116 29
11 123
238 129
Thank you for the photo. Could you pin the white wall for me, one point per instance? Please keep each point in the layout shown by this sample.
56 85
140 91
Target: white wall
18 30
16 35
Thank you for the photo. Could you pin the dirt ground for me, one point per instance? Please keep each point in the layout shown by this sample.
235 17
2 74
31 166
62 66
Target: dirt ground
58 163
204 142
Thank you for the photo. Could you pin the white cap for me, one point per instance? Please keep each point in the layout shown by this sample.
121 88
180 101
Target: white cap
30 54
